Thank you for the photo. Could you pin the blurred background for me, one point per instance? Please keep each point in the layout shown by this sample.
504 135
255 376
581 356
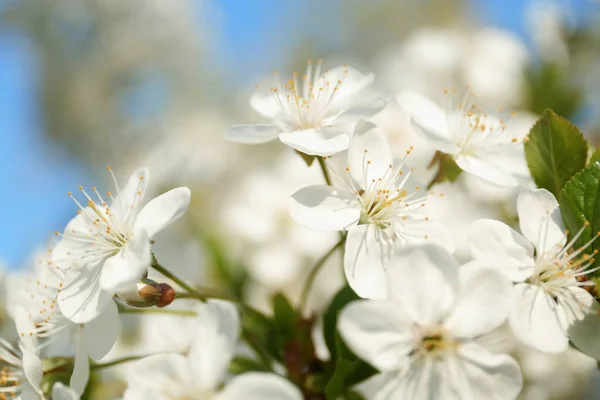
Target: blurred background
87 84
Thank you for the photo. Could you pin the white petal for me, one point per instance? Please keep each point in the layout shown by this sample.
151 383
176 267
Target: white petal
352 86
424 231
62 392
323 142
81 368
540 220
496 244
366 257
101 333
413 383
324 207
369 155
428 120
536 321
129 265
32 368
365 108
125 206
260 386
252 134
491 376
159 377
424 279
482 168
163 210
66 252
25 326
266 105
584 333
214 344
483 303
378 332
81 298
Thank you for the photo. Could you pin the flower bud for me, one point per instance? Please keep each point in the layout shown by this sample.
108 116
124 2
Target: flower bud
144 293
167 295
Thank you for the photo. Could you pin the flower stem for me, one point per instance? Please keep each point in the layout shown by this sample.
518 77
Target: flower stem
156 311
324 169
203 294
171 276
315 271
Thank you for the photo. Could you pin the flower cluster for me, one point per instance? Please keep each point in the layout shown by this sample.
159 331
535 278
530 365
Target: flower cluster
413 315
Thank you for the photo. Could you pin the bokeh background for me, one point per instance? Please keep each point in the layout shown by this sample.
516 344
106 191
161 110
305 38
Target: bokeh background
87 84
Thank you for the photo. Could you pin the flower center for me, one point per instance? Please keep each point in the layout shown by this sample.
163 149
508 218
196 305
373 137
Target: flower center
469 127
434 342
305 104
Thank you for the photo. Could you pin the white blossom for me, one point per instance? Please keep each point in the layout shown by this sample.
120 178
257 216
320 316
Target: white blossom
106 248
423 337
377 204
308 114
478 142
200 373
551 305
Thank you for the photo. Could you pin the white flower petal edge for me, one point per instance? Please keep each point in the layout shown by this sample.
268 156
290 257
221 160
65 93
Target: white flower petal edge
308 114
81 367
378 332
62 392
260 386
324 207
481 289
366 255
423 337
163 210
322 142
214 344
252 134
500 246
540 220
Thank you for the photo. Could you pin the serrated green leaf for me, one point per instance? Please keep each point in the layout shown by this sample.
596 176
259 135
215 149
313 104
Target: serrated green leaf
580 202
556 150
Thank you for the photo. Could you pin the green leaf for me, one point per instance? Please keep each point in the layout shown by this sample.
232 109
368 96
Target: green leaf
240 364
580 203
347 372
556 150
286 317
352 395
259 331
335 387
341 299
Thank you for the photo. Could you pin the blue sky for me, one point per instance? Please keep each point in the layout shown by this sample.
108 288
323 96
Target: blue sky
35 175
